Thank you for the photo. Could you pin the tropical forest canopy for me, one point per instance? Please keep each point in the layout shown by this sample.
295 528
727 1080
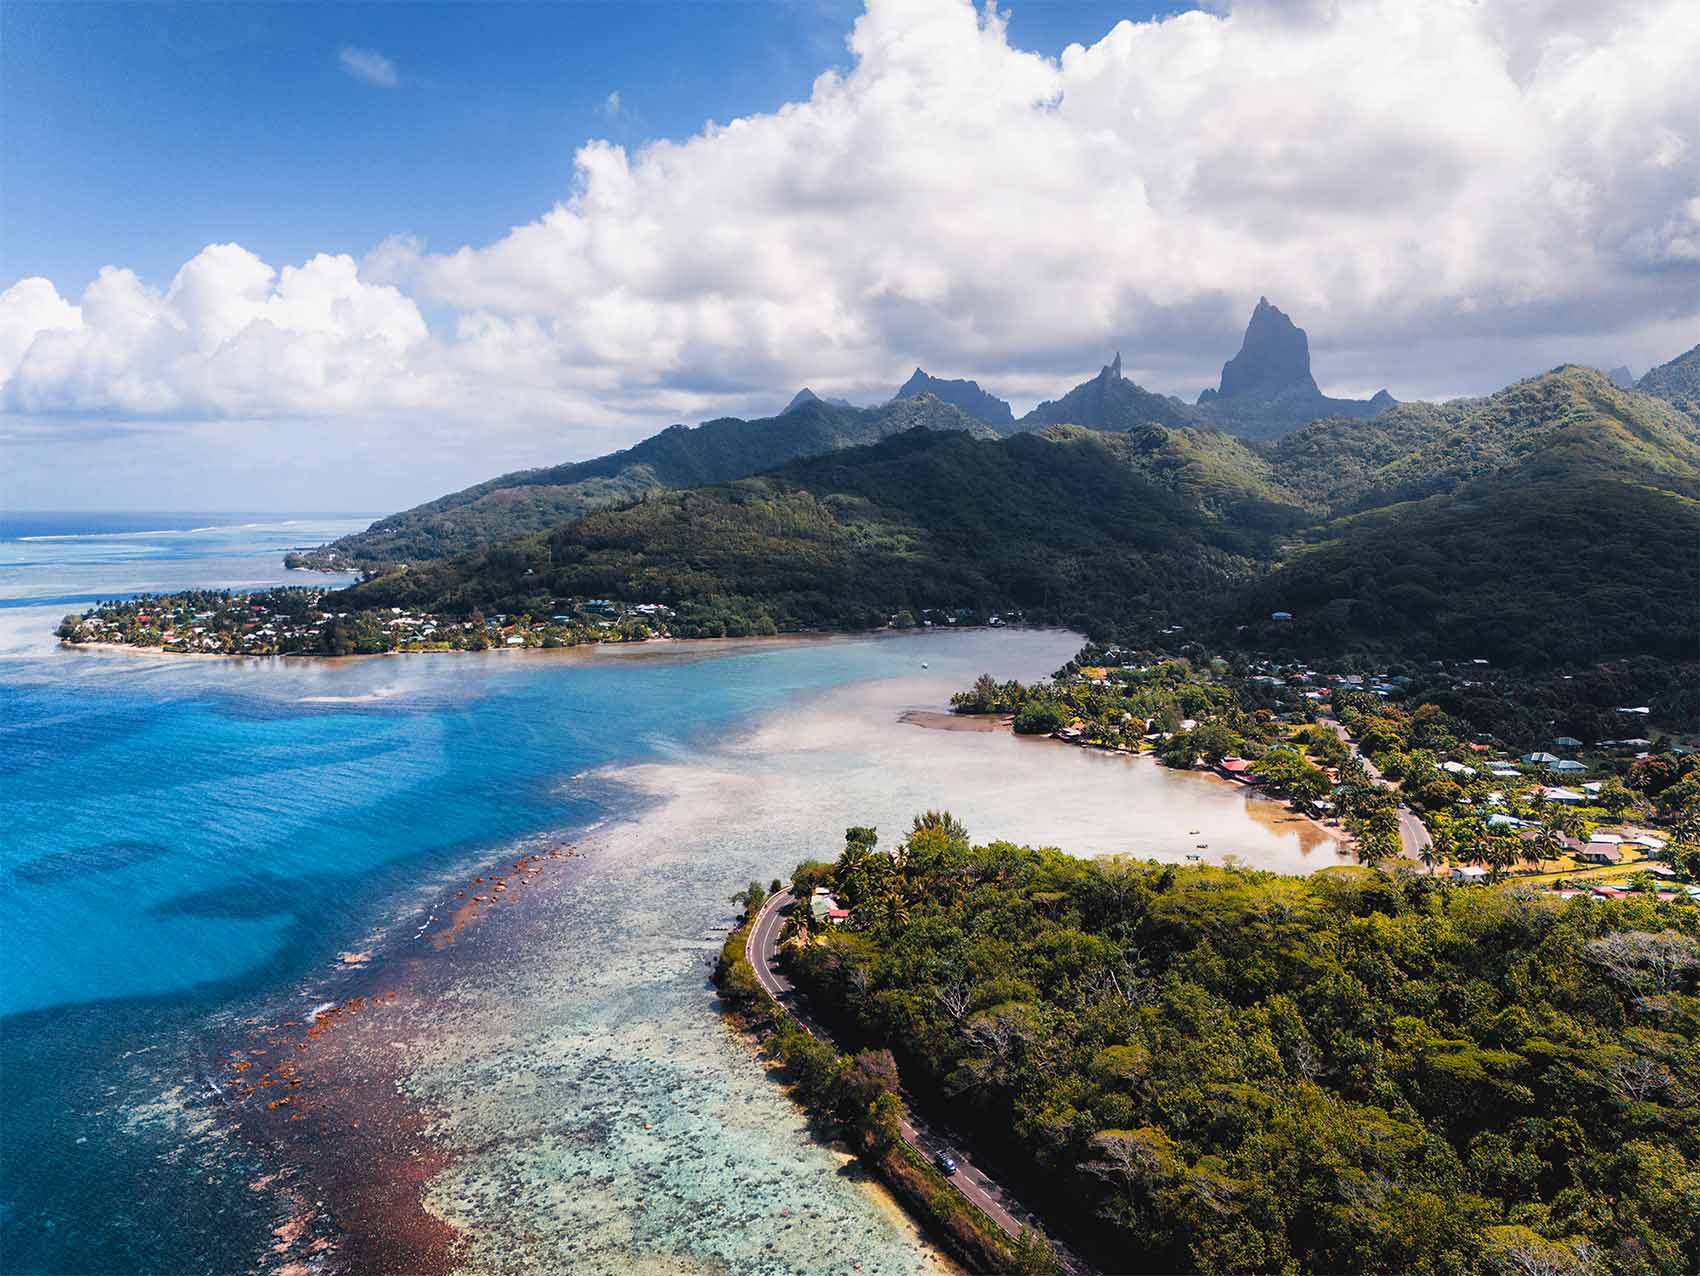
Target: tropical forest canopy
1209 1069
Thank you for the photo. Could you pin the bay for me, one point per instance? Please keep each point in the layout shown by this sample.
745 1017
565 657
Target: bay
194 844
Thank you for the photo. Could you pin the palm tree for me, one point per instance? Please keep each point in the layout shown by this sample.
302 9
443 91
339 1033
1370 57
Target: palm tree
944 821
1547 842
893 909
1499 853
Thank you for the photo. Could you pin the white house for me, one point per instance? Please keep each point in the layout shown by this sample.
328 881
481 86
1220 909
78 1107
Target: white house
1458 768
1540 759
1569 766
1567 742
1570 797
1468 873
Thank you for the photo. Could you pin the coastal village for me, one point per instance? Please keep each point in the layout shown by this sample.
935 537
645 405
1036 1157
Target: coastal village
293 621
1340 746
283 622
1603 817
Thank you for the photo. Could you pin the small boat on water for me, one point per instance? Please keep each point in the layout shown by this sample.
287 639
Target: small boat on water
925 665
1194 832
1203 846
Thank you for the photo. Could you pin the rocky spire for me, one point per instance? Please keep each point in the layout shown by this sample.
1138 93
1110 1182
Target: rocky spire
1274 356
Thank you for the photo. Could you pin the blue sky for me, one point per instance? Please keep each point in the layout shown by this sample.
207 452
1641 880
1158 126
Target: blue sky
137 133
358 255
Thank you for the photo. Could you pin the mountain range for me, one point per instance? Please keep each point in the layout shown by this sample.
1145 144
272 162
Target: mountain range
966 395
1266 390
1552 523
680 456
1110 402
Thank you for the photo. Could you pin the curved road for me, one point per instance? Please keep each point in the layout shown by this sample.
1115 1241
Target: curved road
762 951
1413 833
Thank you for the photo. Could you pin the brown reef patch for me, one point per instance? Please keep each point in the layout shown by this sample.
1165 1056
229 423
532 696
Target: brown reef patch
324 1096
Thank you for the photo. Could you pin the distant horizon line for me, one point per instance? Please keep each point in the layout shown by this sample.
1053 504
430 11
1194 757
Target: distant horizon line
12 511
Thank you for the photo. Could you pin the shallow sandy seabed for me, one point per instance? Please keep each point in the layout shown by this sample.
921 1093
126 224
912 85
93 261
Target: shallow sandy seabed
603 1117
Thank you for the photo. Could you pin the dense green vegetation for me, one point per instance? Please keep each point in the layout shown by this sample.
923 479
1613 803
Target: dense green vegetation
533 500
1523 574
1548 527
1057 526
1223 1070
1552 524
856 1097
1677 382
1566 424
1225 478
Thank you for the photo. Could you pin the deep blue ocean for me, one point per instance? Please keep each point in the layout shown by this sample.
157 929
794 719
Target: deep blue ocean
187 839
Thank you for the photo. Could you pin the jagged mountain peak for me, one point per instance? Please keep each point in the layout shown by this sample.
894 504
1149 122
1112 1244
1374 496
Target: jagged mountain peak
1267 388
806 395
966 395
1109 401
1274 355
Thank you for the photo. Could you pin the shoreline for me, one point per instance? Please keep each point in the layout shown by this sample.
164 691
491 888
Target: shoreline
575 650
948 720
370 1163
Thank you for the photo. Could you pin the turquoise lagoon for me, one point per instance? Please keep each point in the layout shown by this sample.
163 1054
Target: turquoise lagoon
190 844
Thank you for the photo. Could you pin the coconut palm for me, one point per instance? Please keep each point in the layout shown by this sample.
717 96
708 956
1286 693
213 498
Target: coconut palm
1500 854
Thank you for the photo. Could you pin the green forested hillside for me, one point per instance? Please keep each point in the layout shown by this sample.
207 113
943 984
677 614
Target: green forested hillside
1553 522
680 456
1109 401
1223 477
1061 525
1517 572
1676 382
1217 1070
1569 420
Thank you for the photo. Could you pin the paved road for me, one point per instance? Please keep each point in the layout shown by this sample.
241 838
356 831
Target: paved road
762 950
1413 833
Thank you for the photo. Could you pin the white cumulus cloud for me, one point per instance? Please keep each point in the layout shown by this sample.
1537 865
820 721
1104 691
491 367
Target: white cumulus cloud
1447 195
1385 170
229 337
368 65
